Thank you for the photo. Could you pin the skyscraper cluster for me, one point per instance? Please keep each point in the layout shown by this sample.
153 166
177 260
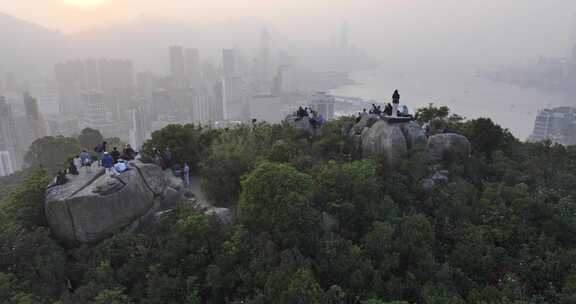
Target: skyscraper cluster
219 89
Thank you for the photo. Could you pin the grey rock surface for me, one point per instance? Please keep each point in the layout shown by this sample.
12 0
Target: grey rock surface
89 207
441 145
301 124
393 139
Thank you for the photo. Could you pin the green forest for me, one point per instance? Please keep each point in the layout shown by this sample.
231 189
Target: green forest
315 223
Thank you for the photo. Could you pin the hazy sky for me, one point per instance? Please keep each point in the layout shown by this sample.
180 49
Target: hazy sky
489 30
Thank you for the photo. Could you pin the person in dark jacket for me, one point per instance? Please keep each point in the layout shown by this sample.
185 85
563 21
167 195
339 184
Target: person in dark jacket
107 162
115 155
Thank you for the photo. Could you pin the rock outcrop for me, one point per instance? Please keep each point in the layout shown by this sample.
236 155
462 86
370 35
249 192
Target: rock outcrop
89 207
302 124
441 146
394 139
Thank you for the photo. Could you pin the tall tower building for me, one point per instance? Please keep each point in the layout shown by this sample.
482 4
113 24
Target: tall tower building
95 110
193 70
35 120
177 65
8 138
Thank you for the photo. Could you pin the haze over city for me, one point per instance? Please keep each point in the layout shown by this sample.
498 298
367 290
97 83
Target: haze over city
499 59
288 151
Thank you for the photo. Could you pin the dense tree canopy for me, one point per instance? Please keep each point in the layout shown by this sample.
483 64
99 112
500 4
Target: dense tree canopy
315 223
52 153
89 139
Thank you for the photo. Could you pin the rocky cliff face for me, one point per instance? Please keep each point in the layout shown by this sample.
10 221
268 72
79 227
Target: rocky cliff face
394 139
89 207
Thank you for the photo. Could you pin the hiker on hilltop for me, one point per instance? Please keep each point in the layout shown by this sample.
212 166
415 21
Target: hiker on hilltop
395 103
100 150
107 162
86 159
115 154
186 174
77 161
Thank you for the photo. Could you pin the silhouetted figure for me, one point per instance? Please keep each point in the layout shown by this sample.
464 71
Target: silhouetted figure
60 178
100 149
167 157
388 110
115 154
395 103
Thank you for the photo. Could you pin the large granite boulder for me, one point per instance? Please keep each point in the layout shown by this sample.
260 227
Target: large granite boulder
90 206
302 124
445 145
366 121
395 139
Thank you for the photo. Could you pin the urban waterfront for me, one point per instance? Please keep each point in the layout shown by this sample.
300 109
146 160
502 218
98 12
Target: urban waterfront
462 91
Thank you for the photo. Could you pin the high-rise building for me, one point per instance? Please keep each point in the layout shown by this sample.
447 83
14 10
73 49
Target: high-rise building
137 131
323 103
557 125
177 66
8 136
35 121
95 110
200 107
193 70
230 62
113 77
236 101
217 106
6 163
69 78
116 85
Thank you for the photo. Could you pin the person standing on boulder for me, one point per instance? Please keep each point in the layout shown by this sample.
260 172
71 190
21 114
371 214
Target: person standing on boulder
86 160
395 103
101 149
107 163
186 174
77 162
115 154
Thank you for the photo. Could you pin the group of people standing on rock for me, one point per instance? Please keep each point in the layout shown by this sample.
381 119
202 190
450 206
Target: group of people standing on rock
109 160
115 159
315 119
391 110
166 161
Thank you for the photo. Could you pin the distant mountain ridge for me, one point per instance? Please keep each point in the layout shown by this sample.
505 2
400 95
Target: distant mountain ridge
28 49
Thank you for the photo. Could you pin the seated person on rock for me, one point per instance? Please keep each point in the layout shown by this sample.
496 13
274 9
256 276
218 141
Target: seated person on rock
60 178
72 168
121 166
115 154
403 111
388 110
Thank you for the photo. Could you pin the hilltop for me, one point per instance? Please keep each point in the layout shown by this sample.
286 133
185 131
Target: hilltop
317 220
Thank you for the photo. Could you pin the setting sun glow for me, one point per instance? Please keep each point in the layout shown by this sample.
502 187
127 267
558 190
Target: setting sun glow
85 3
